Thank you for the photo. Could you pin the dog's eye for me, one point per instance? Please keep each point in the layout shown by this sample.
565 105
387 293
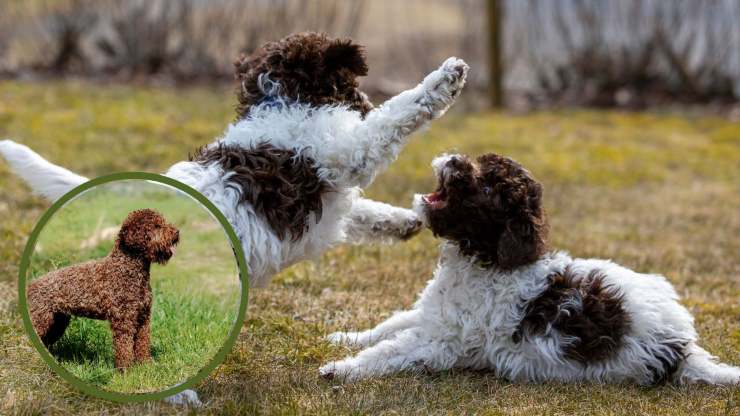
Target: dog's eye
487 190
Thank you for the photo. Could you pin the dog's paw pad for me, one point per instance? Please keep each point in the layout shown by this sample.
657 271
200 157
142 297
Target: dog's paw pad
444 85
456 68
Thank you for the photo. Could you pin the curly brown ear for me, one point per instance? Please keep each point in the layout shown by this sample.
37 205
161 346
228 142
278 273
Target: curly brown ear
522 242
241 65
128 240
342 53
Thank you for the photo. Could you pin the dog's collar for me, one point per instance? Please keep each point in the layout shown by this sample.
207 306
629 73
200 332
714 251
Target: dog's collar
273 102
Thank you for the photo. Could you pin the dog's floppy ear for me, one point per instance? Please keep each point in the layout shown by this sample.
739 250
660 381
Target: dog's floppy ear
524 237
131 239
242 64
342 53
521 242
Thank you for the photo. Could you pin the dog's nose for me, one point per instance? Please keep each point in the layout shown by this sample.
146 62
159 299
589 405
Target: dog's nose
455 161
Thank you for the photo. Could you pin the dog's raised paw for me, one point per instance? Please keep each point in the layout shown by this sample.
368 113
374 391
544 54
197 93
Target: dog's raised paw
456 69
444 85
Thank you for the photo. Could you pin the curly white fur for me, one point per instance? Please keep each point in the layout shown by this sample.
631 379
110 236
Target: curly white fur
467 315
348 151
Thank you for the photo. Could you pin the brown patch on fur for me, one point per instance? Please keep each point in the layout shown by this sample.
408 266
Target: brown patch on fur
115 288
282 186
310 67
583 308
492 209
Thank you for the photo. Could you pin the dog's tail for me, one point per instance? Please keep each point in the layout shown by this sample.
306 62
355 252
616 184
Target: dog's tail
702 367
44 178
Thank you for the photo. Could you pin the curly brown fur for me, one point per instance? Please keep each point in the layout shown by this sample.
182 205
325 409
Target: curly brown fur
281 186
583 309
491 208
115 288
310 67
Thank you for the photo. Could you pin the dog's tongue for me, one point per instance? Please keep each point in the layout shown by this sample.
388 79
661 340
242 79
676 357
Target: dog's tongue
433 197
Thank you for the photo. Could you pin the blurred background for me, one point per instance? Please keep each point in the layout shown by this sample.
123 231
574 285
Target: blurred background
630 54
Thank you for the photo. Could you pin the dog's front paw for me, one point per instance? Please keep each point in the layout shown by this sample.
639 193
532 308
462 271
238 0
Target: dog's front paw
445 84
410 227
402 225
456 72
339 370
348 338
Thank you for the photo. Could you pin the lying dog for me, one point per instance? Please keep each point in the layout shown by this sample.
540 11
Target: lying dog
500 301
287 174
115 288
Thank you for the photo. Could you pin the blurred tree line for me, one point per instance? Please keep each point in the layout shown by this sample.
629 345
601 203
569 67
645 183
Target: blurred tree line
627 53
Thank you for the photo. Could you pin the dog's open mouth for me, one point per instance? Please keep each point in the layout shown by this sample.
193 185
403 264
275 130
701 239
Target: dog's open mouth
166 253
173 246
437 199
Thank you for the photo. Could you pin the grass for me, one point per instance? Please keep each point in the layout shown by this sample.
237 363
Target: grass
657 192
196 295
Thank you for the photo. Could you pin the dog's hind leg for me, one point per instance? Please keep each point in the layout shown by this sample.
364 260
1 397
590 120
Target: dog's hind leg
46 179
57 328
49 326
385 330
702 367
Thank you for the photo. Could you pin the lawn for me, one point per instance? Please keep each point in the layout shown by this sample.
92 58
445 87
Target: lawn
196 295
657 192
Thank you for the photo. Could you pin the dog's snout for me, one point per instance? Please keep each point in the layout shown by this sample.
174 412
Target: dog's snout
455 162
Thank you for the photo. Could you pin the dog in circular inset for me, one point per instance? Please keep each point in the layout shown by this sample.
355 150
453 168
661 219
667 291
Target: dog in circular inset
115 288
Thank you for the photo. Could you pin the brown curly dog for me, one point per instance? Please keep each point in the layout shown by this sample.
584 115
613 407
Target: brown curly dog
115 288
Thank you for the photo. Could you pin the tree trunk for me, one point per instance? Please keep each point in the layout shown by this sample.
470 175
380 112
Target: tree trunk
495 71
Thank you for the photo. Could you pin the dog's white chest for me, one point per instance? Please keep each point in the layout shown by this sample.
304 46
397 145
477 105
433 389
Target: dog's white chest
473 309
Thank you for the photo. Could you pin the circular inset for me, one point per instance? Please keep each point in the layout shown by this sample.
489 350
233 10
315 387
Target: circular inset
133 286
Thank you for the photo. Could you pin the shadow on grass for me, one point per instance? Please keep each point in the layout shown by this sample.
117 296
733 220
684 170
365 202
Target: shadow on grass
185 333
87 344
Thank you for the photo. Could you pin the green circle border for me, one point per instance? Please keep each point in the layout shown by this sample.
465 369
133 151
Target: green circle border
133 397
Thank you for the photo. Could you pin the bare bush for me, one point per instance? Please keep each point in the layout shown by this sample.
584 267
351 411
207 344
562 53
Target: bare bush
586 52
180 38
632 52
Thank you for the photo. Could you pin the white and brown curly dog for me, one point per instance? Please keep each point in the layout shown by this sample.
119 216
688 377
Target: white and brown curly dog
501 301
288 173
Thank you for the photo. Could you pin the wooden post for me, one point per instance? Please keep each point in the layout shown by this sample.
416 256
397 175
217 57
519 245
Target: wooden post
495 71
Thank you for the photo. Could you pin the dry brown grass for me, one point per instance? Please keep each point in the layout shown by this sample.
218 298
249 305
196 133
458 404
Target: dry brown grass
655 192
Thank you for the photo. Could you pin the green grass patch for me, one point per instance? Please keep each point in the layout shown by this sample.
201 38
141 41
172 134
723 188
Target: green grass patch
196 295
